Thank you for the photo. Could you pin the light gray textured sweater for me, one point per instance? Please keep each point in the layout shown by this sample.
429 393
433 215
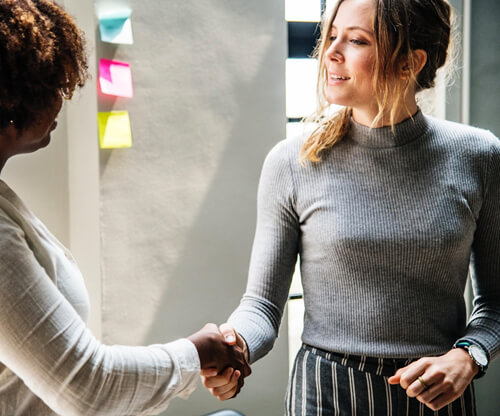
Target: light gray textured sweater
385 226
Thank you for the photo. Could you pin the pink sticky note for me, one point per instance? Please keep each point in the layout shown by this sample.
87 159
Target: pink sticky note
115 78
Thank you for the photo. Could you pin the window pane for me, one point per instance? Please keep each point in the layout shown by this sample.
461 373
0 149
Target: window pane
300 87
303 10
295 129
330 4
295 326
295 315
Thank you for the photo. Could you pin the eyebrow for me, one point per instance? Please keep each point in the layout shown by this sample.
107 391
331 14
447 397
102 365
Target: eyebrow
370 32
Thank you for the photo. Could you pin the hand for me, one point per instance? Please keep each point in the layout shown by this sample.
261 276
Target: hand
215 353
446 378
227 384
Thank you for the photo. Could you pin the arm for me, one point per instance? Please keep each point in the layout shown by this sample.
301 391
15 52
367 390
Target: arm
484 323
274 254
449 375
46 344
255 323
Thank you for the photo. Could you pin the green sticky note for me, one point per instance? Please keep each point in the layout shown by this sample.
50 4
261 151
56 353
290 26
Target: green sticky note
114 130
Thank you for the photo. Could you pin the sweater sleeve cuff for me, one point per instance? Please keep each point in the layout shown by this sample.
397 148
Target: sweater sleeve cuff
480 332
185 354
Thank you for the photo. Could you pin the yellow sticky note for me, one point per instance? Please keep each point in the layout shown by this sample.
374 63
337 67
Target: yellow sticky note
114 130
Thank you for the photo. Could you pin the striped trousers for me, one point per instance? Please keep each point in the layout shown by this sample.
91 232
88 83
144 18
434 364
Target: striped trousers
329 384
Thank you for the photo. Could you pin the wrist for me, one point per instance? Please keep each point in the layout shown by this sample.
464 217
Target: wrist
463 356
477 355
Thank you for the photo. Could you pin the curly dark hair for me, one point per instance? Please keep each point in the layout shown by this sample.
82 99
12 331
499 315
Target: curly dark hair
42 57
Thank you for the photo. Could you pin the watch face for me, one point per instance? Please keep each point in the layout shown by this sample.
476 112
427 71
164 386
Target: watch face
479 355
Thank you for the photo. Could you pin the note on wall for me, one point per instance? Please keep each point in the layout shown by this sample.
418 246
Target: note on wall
114 130
115 78
116 27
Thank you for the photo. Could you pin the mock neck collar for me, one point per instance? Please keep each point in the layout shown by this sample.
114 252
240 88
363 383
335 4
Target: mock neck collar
383 137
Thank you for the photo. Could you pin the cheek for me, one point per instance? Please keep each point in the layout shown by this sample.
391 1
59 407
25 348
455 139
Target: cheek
365 70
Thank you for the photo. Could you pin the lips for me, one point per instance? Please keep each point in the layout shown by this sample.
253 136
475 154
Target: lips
338 77
54 125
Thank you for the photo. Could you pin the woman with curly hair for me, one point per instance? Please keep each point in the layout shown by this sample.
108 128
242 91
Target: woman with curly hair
388 210
49 361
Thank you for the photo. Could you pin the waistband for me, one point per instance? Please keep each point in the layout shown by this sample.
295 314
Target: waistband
376 365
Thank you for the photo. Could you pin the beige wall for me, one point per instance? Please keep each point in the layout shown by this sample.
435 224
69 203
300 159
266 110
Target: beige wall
163 231
178 208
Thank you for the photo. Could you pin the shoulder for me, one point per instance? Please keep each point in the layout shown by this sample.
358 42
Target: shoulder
285 153
470 138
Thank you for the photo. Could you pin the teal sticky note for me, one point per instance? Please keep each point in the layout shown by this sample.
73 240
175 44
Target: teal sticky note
116 27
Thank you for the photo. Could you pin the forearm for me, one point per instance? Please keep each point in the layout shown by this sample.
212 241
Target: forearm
484 328
257 321
47 345
93 379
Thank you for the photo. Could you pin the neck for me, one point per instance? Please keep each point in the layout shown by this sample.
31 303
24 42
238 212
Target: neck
366 116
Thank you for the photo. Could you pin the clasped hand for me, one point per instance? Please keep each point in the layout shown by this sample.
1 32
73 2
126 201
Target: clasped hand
223 359
437 381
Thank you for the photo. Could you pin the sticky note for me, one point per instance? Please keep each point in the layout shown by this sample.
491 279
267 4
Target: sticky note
114 130
115 78
116 27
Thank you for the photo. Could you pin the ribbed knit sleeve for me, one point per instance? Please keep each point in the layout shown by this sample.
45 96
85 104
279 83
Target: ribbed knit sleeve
274 255
484 324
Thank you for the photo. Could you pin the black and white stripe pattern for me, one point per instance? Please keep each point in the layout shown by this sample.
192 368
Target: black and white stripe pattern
328 384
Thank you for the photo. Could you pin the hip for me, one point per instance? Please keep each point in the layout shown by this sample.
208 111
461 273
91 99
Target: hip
327 383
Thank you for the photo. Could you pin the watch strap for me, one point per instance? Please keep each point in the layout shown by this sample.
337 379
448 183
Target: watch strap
465 345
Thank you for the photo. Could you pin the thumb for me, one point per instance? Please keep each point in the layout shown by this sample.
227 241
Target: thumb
228 333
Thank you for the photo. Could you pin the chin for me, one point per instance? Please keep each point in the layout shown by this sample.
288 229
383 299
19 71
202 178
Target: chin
331 99
44 142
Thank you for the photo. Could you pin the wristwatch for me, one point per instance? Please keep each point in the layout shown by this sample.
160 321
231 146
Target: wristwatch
478 355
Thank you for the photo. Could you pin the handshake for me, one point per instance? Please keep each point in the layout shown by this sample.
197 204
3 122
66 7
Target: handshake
223 359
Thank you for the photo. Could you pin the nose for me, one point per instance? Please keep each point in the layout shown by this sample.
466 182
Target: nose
334 53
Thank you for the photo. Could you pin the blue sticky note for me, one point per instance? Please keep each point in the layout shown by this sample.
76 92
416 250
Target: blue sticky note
116 27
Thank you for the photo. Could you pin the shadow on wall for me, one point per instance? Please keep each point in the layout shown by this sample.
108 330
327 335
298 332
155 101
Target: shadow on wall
193 99
211 272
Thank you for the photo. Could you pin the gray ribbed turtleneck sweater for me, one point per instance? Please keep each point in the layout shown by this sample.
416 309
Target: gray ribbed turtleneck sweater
385 226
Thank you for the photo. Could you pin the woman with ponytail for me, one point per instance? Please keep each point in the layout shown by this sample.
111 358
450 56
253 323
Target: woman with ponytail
388 210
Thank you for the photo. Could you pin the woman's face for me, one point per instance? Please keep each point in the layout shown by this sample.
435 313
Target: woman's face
350 57
37 135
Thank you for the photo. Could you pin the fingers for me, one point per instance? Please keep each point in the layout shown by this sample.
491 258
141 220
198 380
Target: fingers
219 380
428 384
440 401
233 338
409 374
224 386
209 372
228 333
395 379
436 381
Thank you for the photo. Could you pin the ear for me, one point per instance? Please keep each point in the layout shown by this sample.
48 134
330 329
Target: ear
419 59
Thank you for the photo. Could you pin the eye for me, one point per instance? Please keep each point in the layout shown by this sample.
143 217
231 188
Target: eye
358 42
332 38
